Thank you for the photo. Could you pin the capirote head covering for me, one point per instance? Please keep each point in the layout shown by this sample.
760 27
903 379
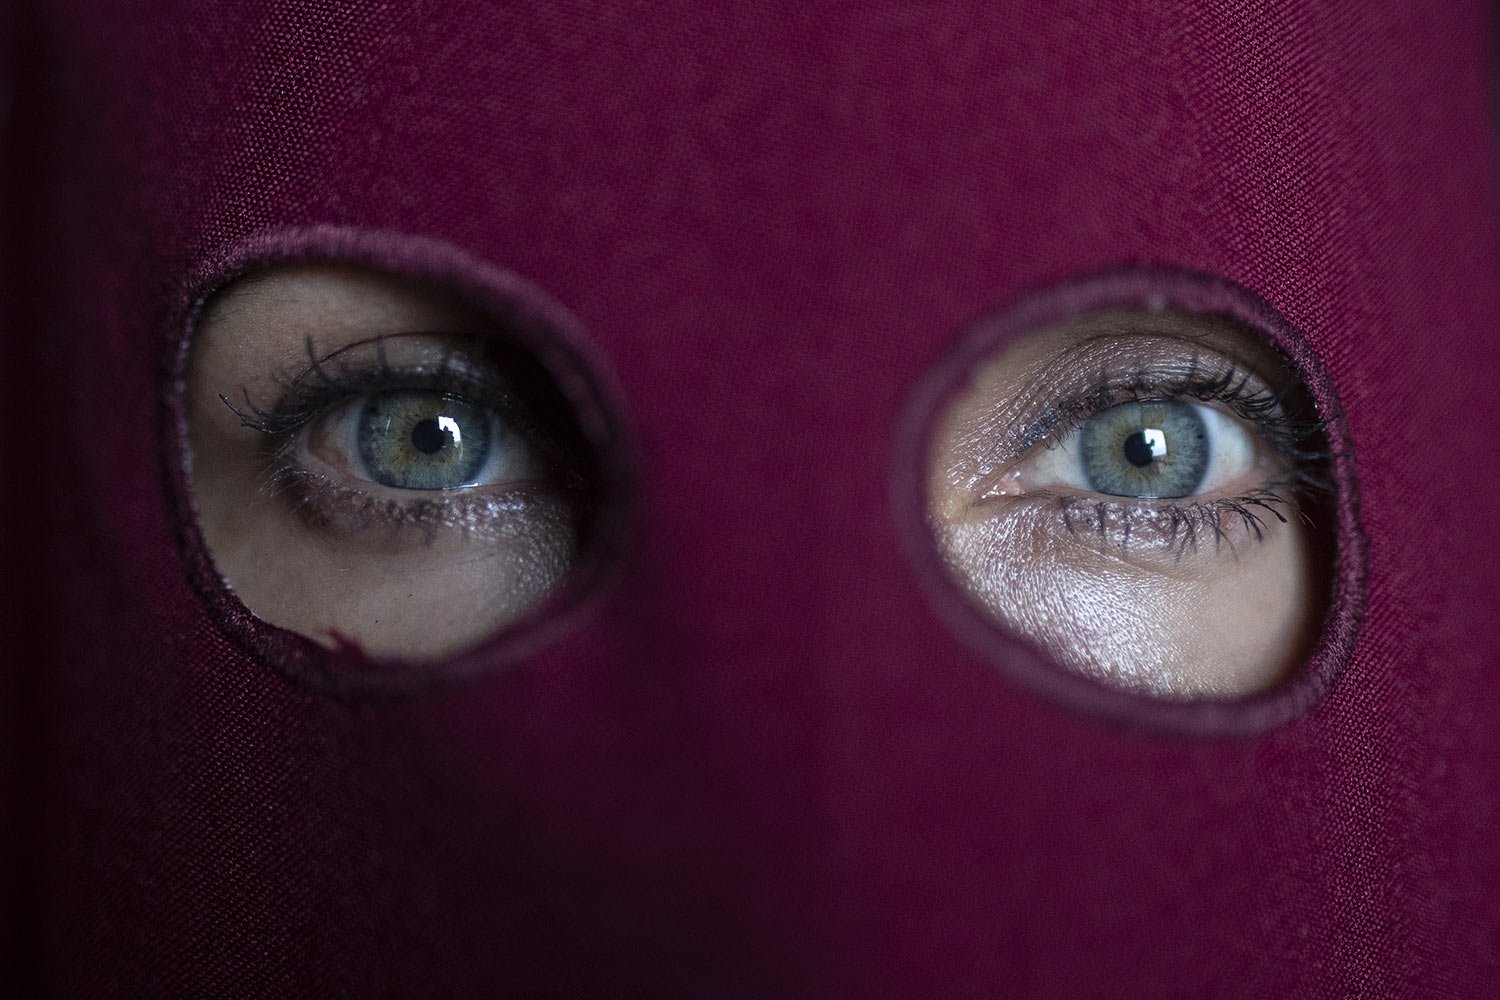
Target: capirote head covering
756 759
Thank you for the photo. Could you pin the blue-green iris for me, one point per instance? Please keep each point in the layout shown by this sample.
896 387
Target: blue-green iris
417 439
1145 449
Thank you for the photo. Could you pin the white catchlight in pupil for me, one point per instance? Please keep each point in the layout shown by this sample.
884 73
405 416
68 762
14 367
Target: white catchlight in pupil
430 436
449 425
1145 446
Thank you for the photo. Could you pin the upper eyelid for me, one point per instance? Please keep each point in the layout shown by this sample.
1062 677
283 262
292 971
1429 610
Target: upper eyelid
1240 392
313 389
1294 436
1133 358
307 390
1227 389
332 372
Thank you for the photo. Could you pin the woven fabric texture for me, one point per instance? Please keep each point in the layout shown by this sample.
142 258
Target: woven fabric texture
763 765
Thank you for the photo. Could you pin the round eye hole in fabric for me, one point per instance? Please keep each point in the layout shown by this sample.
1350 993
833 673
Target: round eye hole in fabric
1145 494
382 467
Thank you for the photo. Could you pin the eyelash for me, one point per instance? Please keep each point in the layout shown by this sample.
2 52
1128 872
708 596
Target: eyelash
326 504
324 383
1231 388
1180 525
310 392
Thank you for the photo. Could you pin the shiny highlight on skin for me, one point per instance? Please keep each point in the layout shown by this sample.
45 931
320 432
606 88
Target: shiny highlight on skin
1212 596
306 542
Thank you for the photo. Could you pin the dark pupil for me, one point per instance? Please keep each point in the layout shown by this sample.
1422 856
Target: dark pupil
1138 450
428 437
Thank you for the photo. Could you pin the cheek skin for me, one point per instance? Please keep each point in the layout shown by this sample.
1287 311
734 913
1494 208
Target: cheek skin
398 595
424 606
395 591
1217 624
1176 599
399 592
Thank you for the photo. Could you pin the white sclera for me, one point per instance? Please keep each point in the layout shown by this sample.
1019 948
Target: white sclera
1231 455
1216 594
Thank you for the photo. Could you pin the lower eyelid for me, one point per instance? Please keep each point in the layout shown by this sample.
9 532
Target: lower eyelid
1139 493
323 504
1153 534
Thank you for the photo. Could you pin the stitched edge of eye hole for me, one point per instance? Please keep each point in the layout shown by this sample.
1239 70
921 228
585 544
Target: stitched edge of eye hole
1025 661
531 318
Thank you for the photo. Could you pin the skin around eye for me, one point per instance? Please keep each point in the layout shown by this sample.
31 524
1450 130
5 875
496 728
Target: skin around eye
1141 494
375 463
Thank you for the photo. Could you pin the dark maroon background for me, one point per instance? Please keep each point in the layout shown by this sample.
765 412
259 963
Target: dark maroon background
763 766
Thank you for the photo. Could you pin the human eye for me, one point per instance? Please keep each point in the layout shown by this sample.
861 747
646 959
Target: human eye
1183 448
1142 494
1146 449
409 435
380 469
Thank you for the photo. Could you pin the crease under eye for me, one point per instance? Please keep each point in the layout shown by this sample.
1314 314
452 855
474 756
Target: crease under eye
1103 371
378 462
1125 469
337 454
